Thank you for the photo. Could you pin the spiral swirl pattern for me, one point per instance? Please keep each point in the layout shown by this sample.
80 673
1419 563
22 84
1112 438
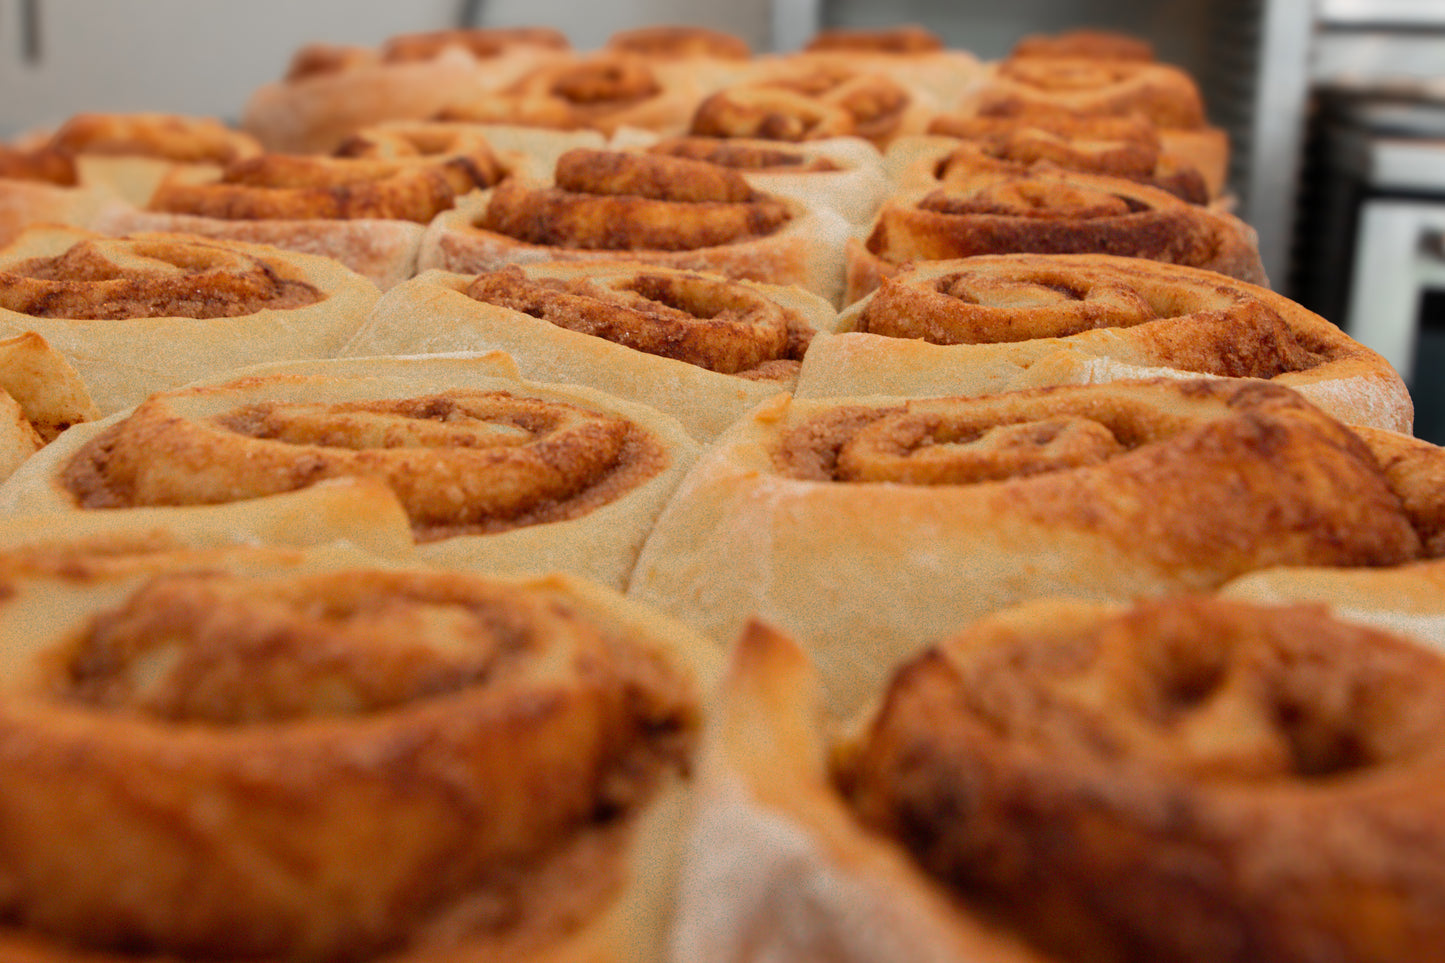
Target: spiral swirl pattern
460 461
1186 780
328 766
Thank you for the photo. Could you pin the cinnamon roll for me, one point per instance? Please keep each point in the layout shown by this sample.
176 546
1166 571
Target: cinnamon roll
1047 210
602 92
864 526
1185 780
994 323
327 761
1127 147
529 151
39 185
493 472
813 101
845 174
1163 94
138 314
908 54
670 211
133 152
679 41
1089 42
331 91
366 212
699 347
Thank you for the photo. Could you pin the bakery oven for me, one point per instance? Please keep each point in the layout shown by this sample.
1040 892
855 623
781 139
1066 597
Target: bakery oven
1370 245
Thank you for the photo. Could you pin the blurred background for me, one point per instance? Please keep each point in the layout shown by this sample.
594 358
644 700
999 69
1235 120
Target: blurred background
1336 108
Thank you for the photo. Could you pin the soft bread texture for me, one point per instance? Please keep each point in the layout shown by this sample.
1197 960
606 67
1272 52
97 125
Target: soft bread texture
368 790
1045 209
775 240
123 359
281 427
997 323
1099 492
845 174
433 313
332 92
1186 779
777 867
41 395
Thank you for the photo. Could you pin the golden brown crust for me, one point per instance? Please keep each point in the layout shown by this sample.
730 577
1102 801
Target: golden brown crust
990 323
397 764
1175 485
607 200
461 462
149 277
495 473
680 42
287 187
602 92
1164 94
1086 42
141 313
904 40
1050 211
42 164
172 137
780 868
1188 780
1115 146
714 324
745 155
770 238
598 323
809 102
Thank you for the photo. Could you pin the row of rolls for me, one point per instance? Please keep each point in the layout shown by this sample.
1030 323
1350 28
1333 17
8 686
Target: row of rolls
496 517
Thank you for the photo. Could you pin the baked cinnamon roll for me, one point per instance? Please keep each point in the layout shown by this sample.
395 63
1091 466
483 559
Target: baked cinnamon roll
842 173
493 472
602 92
669 211
1163 94
866 525
1129 147
1189 779
138 314
994 323
1085 42
367 212
331 91
813 101
39 185
675 41
1047 210
699 347
133 152
324 760
909 54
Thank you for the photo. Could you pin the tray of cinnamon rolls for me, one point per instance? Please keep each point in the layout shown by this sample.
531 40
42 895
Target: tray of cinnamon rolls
675 502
